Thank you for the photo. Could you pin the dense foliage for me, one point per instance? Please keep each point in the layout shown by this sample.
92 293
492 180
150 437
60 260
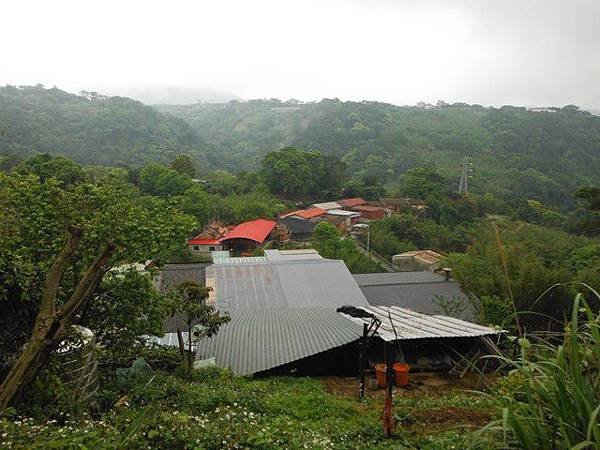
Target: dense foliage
551 397
516 153
90 129
36 216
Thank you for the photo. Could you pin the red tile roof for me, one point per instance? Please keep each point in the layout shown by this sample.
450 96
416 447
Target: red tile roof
202 241
255 230
350 202
309 213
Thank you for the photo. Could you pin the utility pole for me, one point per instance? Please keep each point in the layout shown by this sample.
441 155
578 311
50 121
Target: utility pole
463 185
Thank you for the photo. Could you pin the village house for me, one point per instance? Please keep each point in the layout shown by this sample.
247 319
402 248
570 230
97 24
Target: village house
288 317
246 236
327 205
349 217
371 212
312 214
417 260
300 229
349 203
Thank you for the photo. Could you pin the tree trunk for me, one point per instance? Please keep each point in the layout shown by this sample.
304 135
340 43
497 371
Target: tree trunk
190 360
181 344
50 327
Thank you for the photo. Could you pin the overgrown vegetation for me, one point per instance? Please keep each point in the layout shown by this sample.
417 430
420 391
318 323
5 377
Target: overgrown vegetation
551 396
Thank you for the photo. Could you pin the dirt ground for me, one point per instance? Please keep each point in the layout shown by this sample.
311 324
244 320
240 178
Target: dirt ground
419 383
423 385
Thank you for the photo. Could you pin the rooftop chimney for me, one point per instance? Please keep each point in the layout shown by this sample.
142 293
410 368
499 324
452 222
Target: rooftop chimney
447 271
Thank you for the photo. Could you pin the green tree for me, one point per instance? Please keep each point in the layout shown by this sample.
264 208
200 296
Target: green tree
47 166
162 181
88 229
188 302
125 307
184 165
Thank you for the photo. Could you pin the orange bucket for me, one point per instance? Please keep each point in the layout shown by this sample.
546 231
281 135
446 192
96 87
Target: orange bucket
401 374
380 370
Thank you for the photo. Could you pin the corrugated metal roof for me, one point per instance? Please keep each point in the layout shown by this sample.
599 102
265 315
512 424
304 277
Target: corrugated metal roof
328 205
292 255
174 274
284 284
168 340
298 225
412 325
223 257
261 339
343 213
423 292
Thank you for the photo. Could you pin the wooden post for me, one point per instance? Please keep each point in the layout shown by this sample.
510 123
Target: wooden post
387 418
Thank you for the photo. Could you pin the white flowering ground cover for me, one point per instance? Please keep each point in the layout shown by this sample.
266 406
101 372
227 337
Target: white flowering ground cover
218 411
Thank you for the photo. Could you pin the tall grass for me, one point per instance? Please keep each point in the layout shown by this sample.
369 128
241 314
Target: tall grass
551 397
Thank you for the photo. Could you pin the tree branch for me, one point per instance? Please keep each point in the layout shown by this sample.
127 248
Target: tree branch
87 284
48 302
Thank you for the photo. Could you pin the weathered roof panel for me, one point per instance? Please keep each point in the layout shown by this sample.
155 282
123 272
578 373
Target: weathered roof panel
261 339
174 274
425 292
285 284
412 325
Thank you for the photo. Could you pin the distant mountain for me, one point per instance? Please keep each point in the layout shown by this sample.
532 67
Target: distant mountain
171 95
543 154
91 129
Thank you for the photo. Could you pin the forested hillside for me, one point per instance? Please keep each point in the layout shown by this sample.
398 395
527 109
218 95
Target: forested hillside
543 156
90 129
514 154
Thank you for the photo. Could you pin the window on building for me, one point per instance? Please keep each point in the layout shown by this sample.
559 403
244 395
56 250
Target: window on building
212 249
196 247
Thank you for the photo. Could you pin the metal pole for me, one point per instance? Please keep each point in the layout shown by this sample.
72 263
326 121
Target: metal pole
361 362
368 239
387 418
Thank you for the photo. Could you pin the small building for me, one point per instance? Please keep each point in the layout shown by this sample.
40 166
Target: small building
349 203
312 214
349 217
371 212
417 260
248 235
283 309
204 246
327 205
299 228
209 240
423 292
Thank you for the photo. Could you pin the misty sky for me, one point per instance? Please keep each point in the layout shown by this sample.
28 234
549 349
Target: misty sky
527 52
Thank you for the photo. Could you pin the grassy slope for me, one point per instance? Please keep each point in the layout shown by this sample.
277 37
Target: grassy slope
221 411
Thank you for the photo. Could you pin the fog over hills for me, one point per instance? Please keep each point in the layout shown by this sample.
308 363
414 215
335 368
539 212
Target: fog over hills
162 94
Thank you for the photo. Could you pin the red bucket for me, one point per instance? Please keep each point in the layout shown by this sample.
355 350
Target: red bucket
380 370
401 374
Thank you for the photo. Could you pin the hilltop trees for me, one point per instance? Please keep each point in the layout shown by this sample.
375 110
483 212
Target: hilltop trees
290 172
56 245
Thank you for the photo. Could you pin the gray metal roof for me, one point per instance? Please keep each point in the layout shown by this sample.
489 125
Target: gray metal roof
423 292
292 255
175 274
412 325
261 339
298 225
285 284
